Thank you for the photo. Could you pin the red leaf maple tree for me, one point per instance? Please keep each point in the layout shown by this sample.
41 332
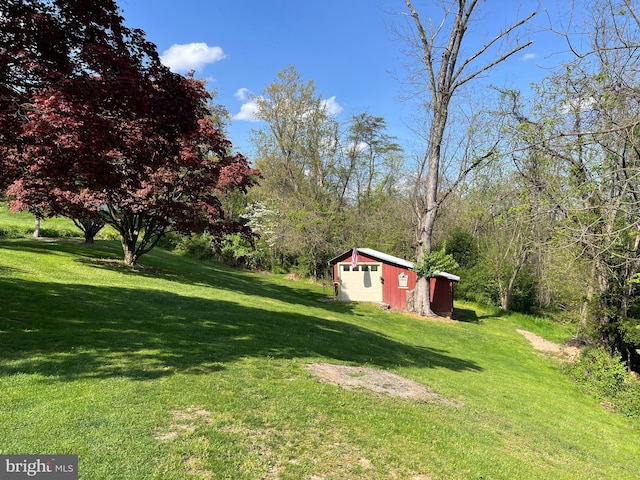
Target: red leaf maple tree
111 134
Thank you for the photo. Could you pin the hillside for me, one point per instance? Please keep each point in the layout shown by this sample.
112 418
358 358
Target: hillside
179 369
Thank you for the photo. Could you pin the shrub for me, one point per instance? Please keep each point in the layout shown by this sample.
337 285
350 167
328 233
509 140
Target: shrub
196 246
237 251
606 377
59 232
478 285
11 231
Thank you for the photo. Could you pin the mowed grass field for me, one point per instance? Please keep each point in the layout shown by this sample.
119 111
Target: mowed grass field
179 369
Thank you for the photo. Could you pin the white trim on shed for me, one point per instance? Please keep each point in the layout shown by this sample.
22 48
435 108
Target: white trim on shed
449 276
386 257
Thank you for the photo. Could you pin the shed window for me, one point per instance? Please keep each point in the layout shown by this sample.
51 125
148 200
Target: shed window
374 268
346 268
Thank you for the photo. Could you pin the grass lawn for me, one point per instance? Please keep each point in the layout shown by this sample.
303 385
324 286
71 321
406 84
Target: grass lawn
22 224
183 370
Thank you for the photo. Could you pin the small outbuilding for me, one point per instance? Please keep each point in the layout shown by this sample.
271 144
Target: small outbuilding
366 275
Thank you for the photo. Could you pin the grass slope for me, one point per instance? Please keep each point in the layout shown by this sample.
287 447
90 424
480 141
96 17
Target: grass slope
22 225
181 370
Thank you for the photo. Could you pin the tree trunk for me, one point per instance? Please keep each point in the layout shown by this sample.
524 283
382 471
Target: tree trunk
90 226
505 298
422 300
130 253
36 230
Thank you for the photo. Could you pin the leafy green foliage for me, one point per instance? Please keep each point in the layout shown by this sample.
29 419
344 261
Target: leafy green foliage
435 262
196 246
237 251
325 186
606 376
462 246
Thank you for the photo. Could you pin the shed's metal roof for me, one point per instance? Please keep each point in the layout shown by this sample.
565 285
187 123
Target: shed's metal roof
386 257
450 276
395 260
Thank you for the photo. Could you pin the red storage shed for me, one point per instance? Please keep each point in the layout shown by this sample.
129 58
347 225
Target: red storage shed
371 276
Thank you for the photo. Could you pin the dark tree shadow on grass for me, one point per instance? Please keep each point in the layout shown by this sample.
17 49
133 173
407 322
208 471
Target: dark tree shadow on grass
107 255
466 315
82 331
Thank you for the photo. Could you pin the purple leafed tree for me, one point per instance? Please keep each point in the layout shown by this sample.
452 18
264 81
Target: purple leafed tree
111 134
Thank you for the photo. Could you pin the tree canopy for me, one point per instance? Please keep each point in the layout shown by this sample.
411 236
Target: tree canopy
326 184
103 129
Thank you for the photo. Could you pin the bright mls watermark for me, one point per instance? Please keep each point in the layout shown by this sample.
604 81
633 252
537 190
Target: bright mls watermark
49 467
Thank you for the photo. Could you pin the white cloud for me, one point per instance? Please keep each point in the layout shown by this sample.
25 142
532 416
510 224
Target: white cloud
529 56
359 147
333 107
578 104
247 112
242 94
249 108
191 56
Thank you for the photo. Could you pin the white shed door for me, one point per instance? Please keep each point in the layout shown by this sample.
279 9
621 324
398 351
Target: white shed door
362 283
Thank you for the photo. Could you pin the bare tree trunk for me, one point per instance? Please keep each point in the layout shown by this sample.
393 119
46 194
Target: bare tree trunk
36 229
505 297
130 255
445 72
422 297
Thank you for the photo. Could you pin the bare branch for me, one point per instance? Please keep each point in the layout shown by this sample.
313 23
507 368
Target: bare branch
427 45
488 45
632 11
466 171
491 65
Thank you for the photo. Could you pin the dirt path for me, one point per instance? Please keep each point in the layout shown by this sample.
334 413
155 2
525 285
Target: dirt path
377 381
542 345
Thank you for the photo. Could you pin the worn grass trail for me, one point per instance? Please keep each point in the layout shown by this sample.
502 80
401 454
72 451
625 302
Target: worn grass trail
183 370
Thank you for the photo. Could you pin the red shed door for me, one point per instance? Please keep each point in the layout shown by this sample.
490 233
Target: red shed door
362 283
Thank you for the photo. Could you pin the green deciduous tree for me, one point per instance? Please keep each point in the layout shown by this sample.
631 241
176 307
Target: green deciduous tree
585 125
435 262
297 150
326 186
373 158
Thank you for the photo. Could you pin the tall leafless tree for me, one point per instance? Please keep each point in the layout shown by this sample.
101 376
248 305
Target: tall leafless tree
445 65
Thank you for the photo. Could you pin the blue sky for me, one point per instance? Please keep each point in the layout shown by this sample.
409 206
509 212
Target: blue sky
346 46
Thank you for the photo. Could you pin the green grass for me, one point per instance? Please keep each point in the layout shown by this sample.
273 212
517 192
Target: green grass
545 327
22 224
182 370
